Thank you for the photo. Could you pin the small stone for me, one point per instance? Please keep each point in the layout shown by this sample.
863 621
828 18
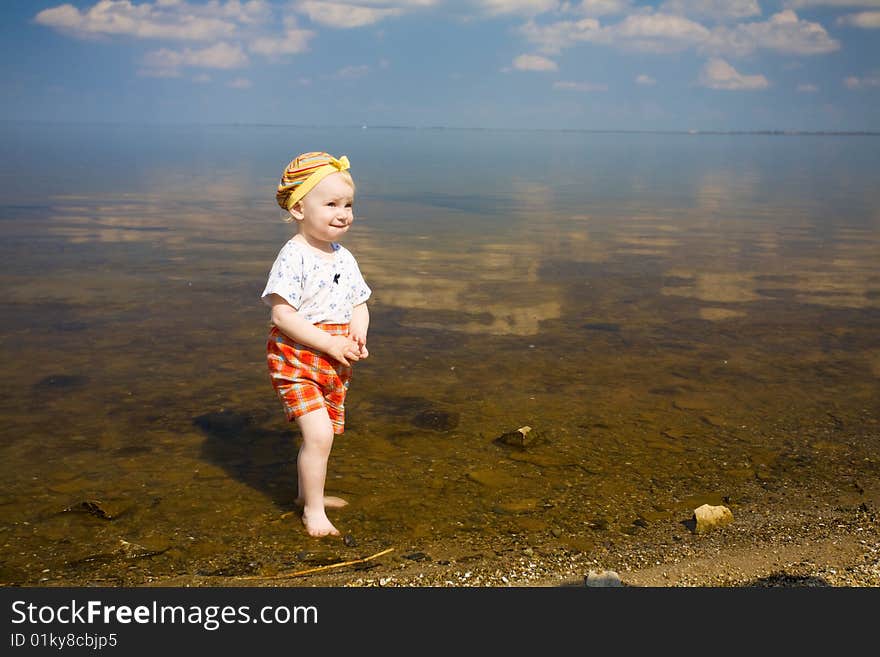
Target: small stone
602 578
708 517
129 550
599 524
349 540
522 438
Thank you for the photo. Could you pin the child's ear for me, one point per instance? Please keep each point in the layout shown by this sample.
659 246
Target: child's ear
296 211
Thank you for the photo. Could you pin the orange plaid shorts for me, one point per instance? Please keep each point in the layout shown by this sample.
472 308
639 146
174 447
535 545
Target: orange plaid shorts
307 379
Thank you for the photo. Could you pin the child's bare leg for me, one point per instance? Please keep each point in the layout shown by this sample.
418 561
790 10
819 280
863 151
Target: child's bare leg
330 501
311 467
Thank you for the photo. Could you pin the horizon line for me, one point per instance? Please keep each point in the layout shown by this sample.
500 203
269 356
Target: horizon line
364 126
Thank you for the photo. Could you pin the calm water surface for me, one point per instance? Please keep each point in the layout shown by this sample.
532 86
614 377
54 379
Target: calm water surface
679 318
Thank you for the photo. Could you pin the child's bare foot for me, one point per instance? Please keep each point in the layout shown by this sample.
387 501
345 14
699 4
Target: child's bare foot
330 502
319 525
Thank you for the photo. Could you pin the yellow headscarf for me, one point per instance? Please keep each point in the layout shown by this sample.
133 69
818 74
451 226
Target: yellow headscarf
303 173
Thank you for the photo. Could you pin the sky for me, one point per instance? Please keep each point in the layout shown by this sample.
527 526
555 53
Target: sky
810 65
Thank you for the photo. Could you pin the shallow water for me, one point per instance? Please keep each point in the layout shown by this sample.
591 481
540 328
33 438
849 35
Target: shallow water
680 319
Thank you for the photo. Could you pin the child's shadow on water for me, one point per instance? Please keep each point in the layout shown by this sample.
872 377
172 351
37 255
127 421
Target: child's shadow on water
264 459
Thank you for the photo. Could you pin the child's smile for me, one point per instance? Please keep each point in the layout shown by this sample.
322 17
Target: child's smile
326 213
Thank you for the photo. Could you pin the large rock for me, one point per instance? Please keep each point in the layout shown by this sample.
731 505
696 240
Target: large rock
708 517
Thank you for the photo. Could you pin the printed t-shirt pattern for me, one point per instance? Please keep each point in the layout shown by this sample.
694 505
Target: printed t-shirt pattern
322 290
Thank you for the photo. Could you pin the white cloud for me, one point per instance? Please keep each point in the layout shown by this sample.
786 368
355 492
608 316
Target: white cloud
865 19
807 88
351 72
656 33
356 13
162 19
239 83
660 33
853 82
165 63
405 5
800 4
230 23
718 10
601 7
718 74
579 86
645 80
783 32
248 12
555 37
340 15
667 33
533 63
294 40
518 7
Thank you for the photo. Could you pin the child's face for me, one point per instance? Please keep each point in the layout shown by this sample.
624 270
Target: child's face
326 212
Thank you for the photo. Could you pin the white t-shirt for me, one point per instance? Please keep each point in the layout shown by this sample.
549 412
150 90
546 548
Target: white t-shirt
320 289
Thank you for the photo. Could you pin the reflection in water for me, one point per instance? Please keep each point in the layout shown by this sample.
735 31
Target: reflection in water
714 286
674 335
488 288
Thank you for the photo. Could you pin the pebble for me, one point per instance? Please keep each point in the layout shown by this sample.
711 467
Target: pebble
602 578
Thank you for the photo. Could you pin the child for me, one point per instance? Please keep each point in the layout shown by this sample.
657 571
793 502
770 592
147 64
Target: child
320 320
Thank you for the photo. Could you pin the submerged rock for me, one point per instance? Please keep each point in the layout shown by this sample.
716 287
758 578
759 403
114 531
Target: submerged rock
99 509
516 506
600 326
435 420
61 382
492 478
521 438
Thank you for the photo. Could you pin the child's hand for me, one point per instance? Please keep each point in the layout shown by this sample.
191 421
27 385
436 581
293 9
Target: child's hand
357 352
361 340
343 349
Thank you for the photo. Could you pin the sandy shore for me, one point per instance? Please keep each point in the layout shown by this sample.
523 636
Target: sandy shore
805 543
784 532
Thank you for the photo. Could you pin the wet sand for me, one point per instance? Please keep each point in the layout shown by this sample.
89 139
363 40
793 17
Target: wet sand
786 546
782 535
775 545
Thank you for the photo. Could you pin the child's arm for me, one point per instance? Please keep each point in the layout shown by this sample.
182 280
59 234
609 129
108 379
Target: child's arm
293 325
360 322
